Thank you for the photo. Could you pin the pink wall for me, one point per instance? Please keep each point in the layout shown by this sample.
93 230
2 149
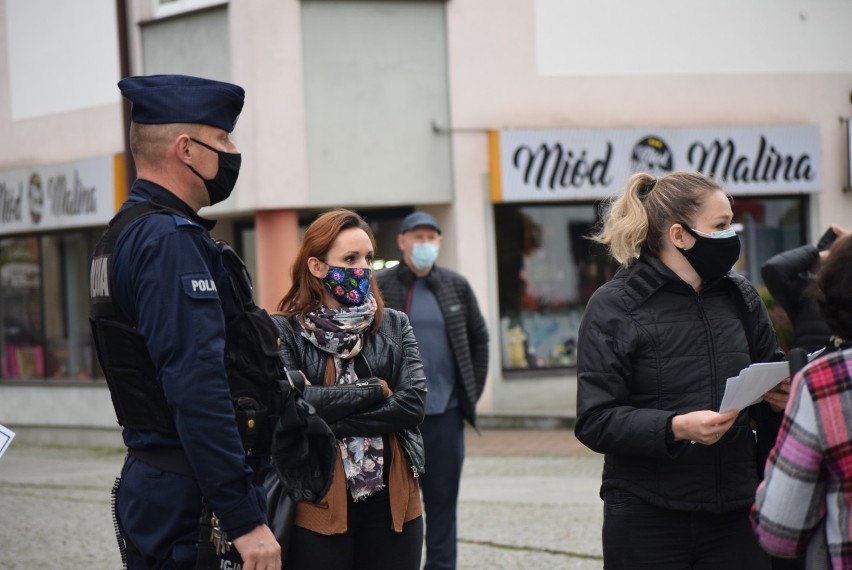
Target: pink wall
277 238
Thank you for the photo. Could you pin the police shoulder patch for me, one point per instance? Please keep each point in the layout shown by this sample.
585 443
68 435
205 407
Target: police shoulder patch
180 221
199 286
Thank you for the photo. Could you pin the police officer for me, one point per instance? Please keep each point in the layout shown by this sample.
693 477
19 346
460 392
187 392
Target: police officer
165 279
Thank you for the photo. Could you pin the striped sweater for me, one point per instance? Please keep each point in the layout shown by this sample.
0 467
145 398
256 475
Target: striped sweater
809 473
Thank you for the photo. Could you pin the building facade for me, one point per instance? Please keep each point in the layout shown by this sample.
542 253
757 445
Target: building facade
511 121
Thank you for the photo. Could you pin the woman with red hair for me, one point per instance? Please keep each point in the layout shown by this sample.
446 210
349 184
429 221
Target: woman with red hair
366 381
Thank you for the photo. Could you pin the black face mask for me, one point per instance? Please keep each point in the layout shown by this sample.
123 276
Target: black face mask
712 257
221 186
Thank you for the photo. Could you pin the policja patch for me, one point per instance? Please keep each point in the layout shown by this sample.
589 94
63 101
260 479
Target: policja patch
199 286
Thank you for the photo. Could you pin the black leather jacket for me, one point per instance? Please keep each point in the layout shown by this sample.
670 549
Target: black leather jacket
360 410
651 347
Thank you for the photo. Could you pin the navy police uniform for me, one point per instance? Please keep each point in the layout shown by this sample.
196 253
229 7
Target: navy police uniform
180 294
168 279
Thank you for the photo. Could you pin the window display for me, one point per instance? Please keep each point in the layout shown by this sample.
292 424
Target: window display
548 269
21 336
44 307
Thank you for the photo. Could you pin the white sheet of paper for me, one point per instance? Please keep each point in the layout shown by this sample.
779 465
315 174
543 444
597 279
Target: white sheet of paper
752 383
6 437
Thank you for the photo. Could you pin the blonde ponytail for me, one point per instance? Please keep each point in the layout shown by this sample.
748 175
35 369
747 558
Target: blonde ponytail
626 227
641 216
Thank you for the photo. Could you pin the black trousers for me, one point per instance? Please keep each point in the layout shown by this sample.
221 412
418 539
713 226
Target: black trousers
443 440
638 535
369 542
158 512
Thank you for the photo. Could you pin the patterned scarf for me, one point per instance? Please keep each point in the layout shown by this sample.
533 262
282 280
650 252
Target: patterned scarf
340 333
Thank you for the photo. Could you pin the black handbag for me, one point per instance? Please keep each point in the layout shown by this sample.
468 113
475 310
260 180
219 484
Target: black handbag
304 455
281 510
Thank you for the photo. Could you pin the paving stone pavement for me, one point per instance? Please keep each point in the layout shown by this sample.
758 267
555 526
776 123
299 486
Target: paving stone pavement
528 501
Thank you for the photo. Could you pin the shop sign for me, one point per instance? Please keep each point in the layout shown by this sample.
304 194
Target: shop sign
545 165
74 194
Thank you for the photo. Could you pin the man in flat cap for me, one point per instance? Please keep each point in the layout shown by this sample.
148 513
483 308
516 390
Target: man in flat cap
161 300
453 341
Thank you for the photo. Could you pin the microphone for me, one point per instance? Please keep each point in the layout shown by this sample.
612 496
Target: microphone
797 359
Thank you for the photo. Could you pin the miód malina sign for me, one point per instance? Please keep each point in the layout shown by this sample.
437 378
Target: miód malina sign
70 195
550 165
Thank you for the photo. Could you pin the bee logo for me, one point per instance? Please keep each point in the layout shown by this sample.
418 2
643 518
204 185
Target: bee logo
653 156
35 196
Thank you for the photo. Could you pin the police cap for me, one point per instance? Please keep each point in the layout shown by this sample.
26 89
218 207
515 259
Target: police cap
418 219
163 99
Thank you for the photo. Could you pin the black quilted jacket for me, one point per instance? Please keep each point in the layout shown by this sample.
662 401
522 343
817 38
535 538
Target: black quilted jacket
465 324
651 347
392 355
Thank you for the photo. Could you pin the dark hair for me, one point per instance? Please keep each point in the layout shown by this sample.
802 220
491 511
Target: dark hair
306 292
834 288
641 216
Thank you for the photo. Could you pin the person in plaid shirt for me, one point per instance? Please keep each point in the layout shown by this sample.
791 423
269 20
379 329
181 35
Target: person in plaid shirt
805 502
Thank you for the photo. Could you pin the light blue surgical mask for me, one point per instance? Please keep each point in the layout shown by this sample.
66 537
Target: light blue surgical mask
424 255
730 232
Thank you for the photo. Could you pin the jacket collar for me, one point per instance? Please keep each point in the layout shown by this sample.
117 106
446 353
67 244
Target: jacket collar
747 290
644 277
147 190
648 274
407 277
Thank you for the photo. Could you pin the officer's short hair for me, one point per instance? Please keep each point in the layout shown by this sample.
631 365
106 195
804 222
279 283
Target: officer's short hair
149 143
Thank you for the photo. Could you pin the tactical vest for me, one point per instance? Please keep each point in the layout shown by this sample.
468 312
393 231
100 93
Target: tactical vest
251 348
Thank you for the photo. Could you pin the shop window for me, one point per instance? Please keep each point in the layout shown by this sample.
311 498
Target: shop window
548 269
44 306
767 226
21 335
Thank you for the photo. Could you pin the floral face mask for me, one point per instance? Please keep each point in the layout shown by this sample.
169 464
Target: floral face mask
348 285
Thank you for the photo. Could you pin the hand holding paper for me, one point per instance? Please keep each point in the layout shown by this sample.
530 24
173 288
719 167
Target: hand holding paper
778 396
6 436
753 382
703 426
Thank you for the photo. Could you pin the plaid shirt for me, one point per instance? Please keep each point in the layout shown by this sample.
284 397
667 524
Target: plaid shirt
809 472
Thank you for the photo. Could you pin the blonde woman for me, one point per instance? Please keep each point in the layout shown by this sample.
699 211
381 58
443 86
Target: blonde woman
656 345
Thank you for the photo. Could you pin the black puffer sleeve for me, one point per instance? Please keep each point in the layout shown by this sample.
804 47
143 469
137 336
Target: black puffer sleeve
784 276
606 420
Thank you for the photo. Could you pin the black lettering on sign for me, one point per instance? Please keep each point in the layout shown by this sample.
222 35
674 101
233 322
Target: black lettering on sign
71 200
10 203
553 166
723 161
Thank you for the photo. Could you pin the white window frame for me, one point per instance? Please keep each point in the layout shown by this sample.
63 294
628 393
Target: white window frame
165 8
